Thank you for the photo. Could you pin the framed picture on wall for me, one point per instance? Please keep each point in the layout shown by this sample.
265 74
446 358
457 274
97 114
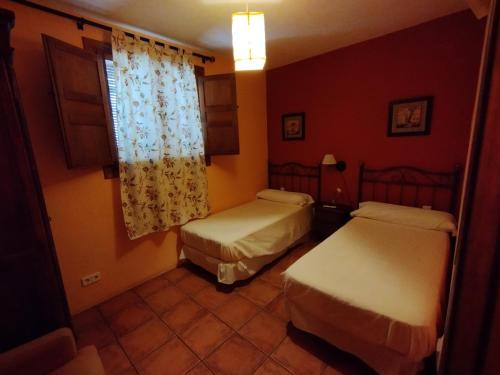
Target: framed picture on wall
410 116
293 126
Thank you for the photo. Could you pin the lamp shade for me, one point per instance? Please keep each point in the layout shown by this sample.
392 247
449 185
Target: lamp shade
249 41
329 159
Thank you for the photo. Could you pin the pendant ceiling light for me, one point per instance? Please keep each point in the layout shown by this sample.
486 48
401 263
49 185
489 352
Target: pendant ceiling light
249 41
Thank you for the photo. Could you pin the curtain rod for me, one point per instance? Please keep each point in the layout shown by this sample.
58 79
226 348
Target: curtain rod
81 22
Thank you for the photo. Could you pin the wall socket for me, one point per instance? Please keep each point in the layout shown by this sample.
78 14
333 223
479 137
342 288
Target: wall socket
90 279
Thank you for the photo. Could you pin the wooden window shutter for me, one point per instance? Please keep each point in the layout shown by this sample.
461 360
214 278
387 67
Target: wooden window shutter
104 51
78 80
99 48
219 112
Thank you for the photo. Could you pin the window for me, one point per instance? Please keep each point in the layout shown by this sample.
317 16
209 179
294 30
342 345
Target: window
110 78
88 108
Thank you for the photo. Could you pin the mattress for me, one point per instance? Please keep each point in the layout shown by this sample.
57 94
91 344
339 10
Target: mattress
255 229
379 283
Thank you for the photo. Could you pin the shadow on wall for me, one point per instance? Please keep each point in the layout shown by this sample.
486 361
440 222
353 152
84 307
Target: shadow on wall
278 55
226 162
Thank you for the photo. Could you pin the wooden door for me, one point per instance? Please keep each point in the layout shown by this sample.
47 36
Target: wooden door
31 291
472 343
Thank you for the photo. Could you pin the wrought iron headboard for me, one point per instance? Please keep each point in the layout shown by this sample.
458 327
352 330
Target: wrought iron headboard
296 177
409 186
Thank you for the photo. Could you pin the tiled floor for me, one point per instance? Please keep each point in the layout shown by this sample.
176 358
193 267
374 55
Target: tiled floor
183 322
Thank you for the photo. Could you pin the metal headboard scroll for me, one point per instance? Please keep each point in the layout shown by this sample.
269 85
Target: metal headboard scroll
296 177
409 186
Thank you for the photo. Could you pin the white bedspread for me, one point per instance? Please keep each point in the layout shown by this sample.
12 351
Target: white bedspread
380 282
254 229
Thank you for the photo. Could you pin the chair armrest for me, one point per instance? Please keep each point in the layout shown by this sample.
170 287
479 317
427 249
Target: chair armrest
40 356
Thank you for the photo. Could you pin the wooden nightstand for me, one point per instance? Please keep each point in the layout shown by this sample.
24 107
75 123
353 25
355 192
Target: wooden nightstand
329 217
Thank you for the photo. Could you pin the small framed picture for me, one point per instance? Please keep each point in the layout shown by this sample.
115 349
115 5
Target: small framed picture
293 126
410 116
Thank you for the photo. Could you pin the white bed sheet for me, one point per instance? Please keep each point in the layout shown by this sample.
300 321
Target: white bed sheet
255 229
229 272
379 283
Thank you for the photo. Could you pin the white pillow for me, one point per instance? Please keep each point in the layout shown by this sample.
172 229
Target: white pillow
299 199
412 216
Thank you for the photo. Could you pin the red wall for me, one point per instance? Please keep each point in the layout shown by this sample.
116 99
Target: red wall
345 95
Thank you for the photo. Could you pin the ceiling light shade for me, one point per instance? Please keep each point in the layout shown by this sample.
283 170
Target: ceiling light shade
249 41
329 159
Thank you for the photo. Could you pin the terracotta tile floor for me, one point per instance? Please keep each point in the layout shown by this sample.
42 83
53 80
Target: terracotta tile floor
184 322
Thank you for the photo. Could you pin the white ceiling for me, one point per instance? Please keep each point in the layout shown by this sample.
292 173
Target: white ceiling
295 29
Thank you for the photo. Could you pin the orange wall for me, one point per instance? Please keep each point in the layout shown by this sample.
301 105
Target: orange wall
85 209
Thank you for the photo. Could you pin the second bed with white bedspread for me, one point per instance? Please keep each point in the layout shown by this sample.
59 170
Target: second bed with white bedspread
234 244
376 287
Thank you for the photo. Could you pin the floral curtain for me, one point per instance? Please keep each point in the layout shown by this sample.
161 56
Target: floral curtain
160 142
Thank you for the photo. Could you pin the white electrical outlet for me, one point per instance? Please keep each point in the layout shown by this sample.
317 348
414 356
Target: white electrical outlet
90 279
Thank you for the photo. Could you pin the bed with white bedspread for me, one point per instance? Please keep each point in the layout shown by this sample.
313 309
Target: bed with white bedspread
236 243
377 287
